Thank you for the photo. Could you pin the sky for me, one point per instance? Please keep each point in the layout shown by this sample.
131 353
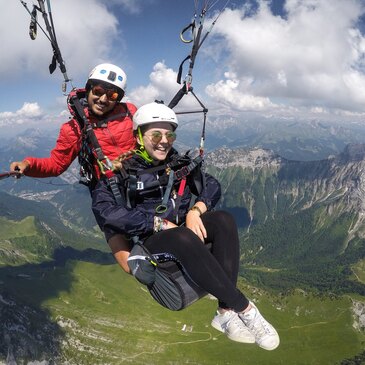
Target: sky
279 59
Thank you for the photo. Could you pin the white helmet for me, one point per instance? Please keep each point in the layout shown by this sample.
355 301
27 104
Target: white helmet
110 74
153 113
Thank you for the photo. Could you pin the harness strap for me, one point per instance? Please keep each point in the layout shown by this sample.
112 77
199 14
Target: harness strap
163 206
179 74
185 171
33 23
132 190
179 175
81 117
113 183
197 160
180 194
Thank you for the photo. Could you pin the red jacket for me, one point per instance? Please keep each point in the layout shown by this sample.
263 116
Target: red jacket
115 138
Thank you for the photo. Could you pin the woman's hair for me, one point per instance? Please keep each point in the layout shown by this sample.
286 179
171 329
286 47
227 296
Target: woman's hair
117 163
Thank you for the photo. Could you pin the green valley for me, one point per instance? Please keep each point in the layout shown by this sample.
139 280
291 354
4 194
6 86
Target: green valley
96 314
64 301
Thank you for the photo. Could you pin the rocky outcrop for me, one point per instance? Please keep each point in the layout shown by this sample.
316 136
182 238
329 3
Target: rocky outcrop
358 309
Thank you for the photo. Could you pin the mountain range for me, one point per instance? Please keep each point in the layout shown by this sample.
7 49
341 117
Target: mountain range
300 140
63 300
302 219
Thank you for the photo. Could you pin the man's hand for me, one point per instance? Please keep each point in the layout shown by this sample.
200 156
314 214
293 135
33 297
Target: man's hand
19 166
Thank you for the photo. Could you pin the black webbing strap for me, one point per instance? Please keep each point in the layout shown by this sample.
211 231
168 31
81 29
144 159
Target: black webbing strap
132 189
80 115
134 184
112 178
179 74
113 183
180 194
185 171
161 208
151 170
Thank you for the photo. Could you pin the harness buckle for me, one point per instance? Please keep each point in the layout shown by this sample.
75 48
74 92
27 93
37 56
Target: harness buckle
184 171
140 185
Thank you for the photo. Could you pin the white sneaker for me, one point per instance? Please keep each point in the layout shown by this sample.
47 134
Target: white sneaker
230 324
265 334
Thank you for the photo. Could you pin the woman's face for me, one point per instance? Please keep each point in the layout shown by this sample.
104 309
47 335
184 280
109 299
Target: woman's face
158 139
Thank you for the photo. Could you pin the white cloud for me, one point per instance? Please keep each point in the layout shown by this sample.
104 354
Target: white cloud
79 41
230 93
28 116
314 56
162 86
28 111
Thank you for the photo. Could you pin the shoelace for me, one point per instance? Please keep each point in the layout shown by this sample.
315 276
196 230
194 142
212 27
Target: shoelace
235 320
259 326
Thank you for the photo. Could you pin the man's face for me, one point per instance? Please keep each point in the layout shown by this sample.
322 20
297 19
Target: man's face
101 99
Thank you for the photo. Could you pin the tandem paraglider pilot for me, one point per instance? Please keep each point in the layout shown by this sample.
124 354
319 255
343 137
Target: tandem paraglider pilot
100 130
181 248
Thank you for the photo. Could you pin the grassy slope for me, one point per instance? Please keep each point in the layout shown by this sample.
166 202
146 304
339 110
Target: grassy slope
19 241
359 271
109 318
10 229
30 240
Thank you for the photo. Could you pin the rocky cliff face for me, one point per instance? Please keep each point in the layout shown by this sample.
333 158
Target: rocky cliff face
336 183
305 219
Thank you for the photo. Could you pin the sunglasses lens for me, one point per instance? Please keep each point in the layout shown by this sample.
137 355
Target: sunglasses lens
156 137
111 95
171 136
98 91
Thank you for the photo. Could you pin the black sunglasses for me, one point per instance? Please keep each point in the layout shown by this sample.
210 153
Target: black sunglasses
111 94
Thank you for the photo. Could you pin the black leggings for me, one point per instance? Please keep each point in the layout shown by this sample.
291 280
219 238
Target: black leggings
214 270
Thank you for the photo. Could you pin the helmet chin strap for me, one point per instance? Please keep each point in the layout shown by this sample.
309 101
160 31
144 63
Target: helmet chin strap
142 151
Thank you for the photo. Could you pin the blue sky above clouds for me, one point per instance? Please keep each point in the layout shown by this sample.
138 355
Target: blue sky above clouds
280 59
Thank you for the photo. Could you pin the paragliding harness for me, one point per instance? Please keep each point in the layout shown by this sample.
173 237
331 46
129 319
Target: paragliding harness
167 281
176 171
91 153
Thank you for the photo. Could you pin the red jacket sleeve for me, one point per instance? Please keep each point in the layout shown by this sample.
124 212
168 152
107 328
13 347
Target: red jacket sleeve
67 148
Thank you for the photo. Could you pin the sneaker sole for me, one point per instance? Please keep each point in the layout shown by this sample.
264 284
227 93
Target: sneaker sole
273 347
241 340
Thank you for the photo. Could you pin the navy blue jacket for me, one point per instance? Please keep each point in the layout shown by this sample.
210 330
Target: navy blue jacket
116 218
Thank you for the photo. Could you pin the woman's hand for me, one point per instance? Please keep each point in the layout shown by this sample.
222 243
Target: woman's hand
194 222
168 225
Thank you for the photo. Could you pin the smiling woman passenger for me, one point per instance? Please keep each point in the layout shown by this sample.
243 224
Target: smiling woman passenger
165 205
